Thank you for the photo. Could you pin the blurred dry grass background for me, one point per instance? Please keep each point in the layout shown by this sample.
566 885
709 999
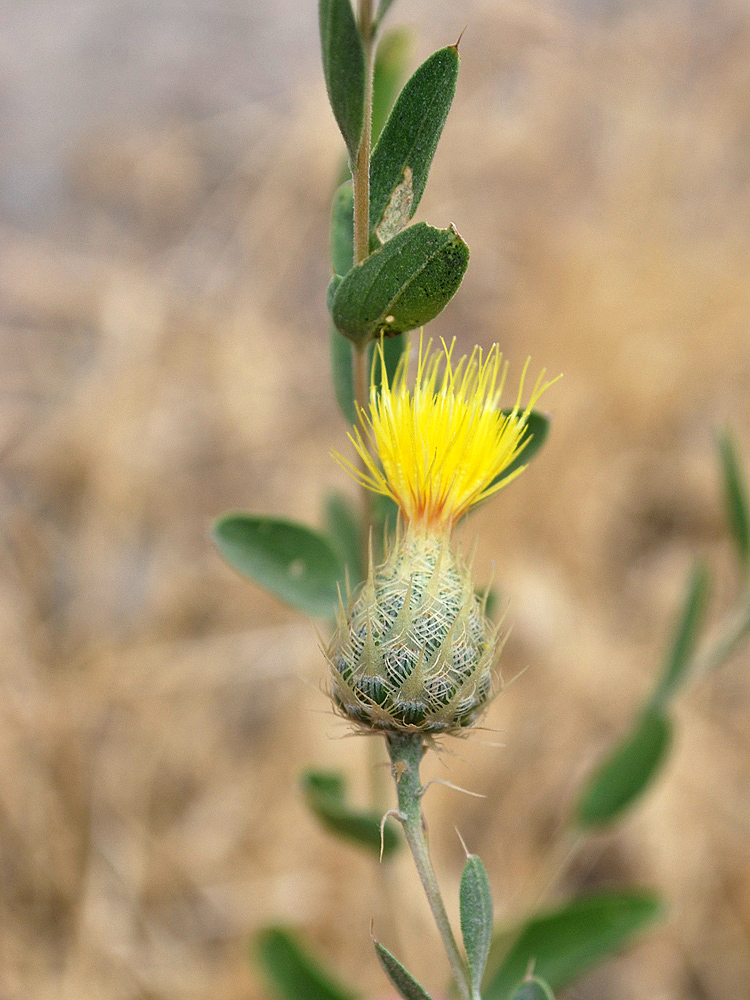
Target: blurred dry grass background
164 358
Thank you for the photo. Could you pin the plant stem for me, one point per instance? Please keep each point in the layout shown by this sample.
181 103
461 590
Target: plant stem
406 750
734 628
361 190
361 168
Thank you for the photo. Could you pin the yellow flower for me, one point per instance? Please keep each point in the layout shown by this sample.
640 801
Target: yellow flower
442 446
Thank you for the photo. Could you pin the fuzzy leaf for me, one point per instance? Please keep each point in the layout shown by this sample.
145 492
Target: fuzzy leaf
344 68
402 286
735 498
628 770
293 562
404 982
564 943
476 917
410 136
325 794
685 637
291 971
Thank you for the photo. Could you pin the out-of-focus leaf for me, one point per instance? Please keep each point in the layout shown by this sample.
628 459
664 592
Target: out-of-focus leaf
325 794
402 286
291 971
685 636
627 771
735 498
343 526
537 429
382 8
407 144
391 59
404 982
564 943
393 348
342 373
343 68
293 562
533 989
385 518
491 601
476 917
342 229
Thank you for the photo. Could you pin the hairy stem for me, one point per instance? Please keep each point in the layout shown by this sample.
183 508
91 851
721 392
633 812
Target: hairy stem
361 188
406 750
361 166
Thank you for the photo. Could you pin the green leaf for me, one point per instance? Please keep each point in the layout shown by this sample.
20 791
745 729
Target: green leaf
476 917
628 770
291 971
402 157
385 519
404 982
402 286
491 601
685 636
391 59
382 8
342 373
343 526
735 498
393 348
537 429
325 794
533 989
344 68
290 560
342 229
564 943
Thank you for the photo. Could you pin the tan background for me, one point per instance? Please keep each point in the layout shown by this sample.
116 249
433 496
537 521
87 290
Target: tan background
166 171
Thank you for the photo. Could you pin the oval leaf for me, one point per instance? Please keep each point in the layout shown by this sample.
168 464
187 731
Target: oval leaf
410 136
533 989
476 917
564 943
291 971
685 637
343 68
293 562
626 773
735 498
404 982
325 794
402 286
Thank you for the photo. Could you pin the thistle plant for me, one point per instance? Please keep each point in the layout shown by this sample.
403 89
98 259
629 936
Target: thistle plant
411 647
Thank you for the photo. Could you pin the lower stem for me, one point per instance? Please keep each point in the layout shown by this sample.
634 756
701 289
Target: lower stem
406 751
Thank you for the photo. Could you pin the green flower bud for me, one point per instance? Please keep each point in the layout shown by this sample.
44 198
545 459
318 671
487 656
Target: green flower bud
415 650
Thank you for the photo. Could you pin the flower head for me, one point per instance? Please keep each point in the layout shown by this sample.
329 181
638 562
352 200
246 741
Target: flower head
443 445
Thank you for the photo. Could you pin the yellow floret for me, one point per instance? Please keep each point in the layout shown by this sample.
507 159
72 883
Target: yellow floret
442 447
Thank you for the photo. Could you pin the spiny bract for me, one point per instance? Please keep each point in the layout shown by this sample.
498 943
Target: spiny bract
414 651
